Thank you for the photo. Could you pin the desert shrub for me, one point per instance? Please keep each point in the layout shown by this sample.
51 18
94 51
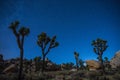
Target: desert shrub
68 77
116 76
10 76
60 77
42 78
2 77
45 76
76 78
102 78
110 72
49 76
93 75
77 75
13 77
28 77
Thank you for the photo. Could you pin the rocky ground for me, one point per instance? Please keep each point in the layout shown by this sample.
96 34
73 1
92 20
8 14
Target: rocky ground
66 75
10 72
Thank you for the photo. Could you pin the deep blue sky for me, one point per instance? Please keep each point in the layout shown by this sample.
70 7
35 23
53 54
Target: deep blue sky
75 22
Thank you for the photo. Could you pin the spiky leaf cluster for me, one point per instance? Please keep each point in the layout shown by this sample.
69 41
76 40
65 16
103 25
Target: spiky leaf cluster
76 54
23 31
14 25
44 40
100 46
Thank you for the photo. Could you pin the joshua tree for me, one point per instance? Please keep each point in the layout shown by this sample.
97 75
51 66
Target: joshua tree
77 59
46 43
99 46
20 36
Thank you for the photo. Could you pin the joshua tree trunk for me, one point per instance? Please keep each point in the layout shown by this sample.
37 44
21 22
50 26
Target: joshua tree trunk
76 58
21 65
102 65
44 56
21 59
77 63
43 65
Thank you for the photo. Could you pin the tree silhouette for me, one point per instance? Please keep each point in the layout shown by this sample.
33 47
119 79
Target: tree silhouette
20 35
77 59
1 63
99 46
46 43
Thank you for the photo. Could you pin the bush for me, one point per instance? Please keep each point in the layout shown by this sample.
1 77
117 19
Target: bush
93 75
10 76
116 76
102 78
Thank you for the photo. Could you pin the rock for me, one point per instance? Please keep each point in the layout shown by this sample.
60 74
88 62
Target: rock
78 74
73 70
9 69
115 61
62 67
60 77
93 65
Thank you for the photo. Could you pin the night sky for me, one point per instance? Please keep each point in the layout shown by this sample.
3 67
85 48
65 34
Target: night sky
75 23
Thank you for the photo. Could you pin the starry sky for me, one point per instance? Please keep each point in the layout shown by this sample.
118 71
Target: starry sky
75 23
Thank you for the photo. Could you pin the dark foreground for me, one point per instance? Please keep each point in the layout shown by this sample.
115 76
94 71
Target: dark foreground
65 75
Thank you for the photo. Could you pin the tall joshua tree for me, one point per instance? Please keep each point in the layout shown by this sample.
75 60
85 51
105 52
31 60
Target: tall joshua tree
20 36
99 46
77 59
46 43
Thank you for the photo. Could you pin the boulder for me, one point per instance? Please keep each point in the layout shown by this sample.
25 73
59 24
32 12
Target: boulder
60 77
115 61
10 69
73 70
93 65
